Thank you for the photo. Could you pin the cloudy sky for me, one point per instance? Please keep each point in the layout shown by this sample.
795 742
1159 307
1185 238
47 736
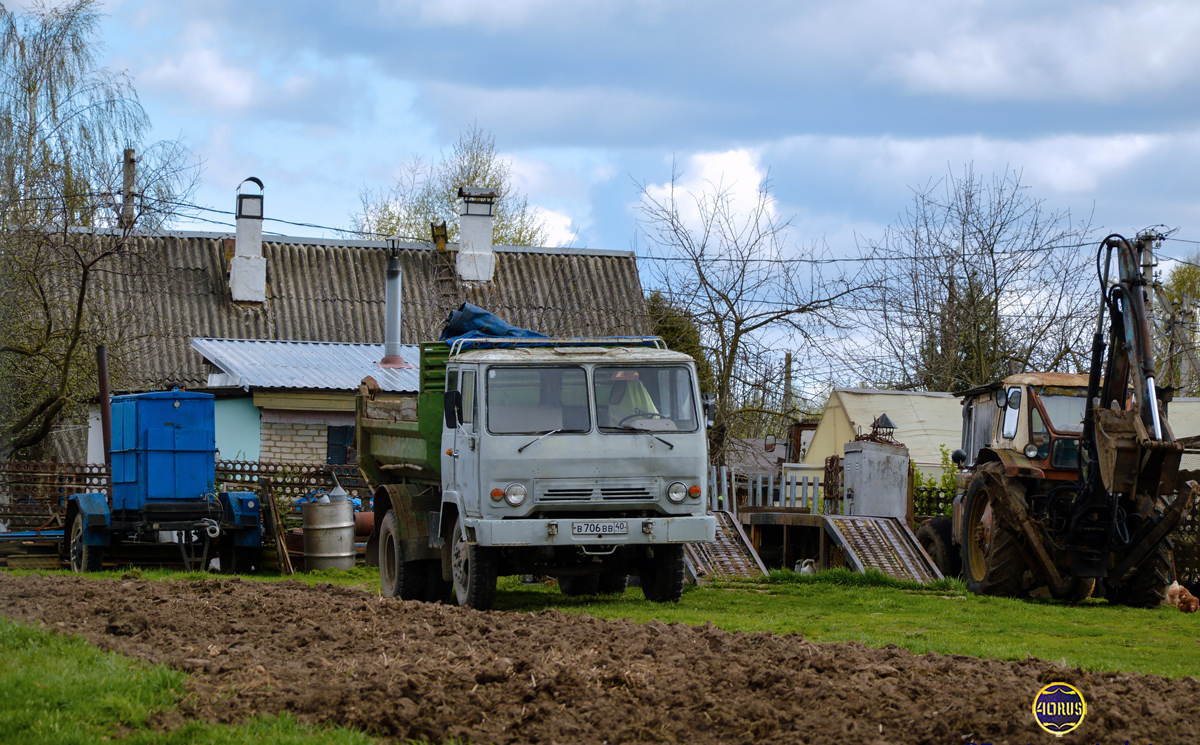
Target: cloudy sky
845 105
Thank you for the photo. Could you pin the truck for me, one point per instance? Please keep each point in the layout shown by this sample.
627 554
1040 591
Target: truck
579 459
164 503
1069 478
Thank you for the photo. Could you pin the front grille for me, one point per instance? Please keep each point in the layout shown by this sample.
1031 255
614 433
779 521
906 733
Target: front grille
574 491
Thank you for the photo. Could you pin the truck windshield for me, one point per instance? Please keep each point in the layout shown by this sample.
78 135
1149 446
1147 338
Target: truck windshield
645 398
1065 412
535 400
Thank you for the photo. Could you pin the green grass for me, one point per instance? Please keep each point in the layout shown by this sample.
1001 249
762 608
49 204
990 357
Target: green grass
60 689
840 606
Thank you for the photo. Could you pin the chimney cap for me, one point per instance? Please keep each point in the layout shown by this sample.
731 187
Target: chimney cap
477 193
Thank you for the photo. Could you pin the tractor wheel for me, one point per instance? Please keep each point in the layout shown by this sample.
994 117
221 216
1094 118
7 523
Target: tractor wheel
1147 586
475 568
991 558
662 574
1078 589
612 583
84 558
574 585
400 578
935 537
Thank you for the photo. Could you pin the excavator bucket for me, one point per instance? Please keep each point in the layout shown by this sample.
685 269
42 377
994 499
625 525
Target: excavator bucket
1130 461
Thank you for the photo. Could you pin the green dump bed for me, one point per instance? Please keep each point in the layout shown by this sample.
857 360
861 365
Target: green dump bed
399 436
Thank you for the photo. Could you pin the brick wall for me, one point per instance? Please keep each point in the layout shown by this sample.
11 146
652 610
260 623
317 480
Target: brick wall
294 441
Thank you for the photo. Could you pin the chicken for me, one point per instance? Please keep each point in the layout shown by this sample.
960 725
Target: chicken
1181 598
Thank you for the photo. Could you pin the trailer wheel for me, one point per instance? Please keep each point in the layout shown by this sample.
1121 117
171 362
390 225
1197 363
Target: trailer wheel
991 557
238 559
474 570
935 537
84 558
400 578
574 585
1147 586
662 574
612 583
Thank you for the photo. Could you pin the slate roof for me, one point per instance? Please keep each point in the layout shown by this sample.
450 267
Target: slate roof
307 365
333 291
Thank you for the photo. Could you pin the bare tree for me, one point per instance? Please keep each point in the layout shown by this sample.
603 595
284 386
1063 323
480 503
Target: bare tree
974 276
749 292
67 124
426 192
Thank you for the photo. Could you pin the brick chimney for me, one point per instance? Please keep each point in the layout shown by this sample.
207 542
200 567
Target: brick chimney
248 268
476 259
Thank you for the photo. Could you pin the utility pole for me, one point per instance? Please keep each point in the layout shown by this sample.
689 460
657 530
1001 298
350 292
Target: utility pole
787 385
127 172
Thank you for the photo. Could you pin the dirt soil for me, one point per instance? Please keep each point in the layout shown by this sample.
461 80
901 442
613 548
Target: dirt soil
331 654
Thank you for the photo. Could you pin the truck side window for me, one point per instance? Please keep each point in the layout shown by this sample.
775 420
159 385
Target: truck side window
1012 414
468 398
452 380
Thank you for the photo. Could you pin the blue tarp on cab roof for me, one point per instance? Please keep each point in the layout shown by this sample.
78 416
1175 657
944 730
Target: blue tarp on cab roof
472 322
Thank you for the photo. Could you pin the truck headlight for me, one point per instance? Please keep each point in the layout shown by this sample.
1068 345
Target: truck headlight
676 492
514 494
1031 450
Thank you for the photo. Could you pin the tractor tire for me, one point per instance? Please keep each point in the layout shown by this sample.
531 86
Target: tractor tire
400 578
575 585
1078 589
84 558
1147 586
992 561
612 583
935 537
474 568
662 574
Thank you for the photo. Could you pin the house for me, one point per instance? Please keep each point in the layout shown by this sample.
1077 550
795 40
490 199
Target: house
925 422
326 298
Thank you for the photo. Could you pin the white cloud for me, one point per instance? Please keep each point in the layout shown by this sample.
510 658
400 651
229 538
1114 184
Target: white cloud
1080 51
201 76
736 175
561 230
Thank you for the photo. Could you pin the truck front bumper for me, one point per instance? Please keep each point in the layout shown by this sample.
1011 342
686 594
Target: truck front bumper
557 532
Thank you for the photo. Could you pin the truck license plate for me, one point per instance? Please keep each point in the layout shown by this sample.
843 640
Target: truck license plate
600 527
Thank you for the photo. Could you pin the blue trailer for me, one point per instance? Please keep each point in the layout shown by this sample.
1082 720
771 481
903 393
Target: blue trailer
164 491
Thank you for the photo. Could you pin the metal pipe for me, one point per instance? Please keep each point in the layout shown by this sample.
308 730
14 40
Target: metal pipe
105 403
1154 417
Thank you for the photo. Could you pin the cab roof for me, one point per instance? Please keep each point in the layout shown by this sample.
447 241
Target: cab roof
572 355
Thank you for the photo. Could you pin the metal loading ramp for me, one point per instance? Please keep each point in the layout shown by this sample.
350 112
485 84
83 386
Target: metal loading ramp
883 543
730 556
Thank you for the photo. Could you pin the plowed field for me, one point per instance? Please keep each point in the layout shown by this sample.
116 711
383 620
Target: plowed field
331 654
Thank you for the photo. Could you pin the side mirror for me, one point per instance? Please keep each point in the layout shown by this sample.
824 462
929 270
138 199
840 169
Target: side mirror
769 443
959 457
709 401
452 403
1001 398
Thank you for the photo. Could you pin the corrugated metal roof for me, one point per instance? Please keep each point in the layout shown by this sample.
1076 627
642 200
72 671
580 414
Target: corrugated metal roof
177 288
264 363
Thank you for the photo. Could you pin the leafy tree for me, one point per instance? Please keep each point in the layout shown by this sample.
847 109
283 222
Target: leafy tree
1179 359
977 275
66 124
679 330
426 192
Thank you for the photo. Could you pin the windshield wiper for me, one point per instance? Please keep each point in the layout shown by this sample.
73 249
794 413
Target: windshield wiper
539 439
627 428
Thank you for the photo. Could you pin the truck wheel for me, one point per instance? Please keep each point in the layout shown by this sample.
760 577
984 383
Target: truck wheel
992 560
400 578
574 585
662 574
437 590
1147 586
935 537
84 558
474 569
612 583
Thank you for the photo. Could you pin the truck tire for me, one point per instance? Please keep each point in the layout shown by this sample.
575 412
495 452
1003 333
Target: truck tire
991 558
612 583
662 574
574 585
400 578
1147 586
474 569
84 558
935 537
